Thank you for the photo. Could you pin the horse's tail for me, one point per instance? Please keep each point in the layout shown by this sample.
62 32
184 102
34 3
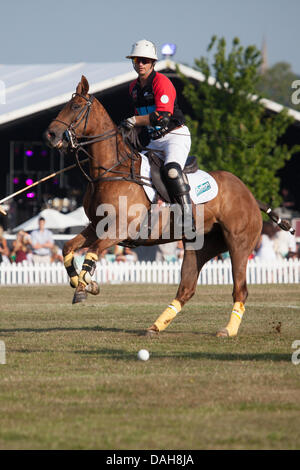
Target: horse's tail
284 224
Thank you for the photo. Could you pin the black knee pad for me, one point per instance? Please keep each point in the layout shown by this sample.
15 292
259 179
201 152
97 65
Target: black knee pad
175 180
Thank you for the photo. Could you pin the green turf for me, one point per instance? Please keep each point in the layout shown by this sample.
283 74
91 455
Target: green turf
72 379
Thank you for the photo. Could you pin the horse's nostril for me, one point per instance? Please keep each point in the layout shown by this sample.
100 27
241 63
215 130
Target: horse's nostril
48 136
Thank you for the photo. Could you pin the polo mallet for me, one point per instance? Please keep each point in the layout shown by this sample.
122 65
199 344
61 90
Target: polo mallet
11 196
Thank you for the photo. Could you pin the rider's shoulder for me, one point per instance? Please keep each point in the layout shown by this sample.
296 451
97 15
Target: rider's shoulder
161 79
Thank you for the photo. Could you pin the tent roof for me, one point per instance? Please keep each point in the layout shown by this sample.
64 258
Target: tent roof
53 220
79 215
33 88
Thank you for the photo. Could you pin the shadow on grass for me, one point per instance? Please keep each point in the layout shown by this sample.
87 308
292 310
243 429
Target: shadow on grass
122 355
72 328
140 332
118 354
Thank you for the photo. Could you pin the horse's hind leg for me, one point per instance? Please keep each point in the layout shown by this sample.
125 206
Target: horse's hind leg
189 275
239 260
193 262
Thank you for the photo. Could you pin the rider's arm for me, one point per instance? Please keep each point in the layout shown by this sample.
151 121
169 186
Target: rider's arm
164 95
142 120
157 118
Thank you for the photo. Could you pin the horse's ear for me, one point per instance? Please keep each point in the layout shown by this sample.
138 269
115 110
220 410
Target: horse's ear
79 88
85 85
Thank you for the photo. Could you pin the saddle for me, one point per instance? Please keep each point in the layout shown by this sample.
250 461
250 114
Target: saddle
156 165
158 182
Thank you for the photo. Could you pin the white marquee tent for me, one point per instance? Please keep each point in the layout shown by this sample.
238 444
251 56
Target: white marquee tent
79 216
53 220
29 89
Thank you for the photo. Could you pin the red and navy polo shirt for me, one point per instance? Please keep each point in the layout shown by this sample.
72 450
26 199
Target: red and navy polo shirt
158 94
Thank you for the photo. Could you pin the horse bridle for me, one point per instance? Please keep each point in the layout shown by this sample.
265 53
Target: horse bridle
71 137
70 133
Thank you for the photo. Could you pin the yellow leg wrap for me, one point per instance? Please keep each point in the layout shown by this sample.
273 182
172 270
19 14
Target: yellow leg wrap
168 315
68 263
85 276
235 318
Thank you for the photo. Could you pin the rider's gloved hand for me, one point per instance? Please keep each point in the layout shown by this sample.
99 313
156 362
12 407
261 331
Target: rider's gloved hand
128 123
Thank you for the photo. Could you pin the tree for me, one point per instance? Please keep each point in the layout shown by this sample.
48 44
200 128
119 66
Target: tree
276 84
230 128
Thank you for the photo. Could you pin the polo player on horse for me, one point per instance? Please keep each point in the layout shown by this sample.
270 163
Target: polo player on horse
156 107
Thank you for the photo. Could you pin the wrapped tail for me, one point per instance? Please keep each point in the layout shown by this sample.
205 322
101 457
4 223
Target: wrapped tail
283 224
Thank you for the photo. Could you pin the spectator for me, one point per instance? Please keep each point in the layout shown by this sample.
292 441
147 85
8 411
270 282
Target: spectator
129 254
42 243
166 252
125 254
4 250
284 244
79 258
293 255
110 253
179 250
103 254
21 247
56 255
120 257
265 247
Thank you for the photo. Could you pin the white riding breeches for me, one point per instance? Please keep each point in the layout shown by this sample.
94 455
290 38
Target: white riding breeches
176 145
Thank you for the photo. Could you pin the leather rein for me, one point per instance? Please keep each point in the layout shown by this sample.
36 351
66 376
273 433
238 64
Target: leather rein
71 137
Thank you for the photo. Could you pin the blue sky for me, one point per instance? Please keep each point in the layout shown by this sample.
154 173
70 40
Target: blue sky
33 31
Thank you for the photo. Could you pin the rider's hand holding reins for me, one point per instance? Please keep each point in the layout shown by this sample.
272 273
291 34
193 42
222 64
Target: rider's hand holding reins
133 121
128 123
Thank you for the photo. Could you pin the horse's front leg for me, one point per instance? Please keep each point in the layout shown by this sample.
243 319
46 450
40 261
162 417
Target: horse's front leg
82 240
85 283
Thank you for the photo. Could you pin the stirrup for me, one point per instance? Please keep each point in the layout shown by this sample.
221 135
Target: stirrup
187 212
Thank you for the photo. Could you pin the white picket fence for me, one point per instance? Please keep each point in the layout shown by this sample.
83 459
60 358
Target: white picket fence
214 272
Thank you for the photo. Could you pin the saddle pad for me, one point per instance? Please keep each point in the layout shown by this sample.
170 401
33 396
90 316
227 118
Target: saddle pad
204 187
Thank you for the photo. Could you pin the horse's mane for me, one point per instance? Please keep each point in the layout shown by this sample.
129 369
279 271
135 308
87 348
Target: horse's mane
131 138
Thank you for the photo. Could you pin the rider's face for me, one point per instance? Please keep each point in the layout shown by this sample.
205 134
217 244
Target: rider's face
143 66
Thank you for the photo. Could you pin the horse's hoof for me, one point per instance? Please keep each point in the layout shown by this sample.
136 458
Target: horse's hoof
93 288
79 296
223 333
151 332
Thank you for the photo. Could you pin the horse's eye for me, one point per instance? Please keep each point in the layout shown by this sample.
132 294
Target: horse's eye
75 106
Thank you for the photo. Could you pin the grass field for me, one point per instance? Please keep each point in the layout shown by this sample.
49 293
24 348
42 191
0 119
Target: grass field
72 379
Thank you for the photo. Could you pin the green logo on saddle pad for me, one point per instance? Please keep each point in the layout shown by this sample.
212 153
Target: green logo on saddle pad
202 188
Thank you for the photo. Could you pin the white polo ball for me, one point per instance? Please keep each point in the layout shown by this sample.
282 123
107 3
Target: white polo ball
143 355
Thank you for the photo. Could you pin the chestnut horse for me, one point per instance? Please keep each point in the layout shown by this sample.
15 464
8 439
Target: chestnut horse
232 220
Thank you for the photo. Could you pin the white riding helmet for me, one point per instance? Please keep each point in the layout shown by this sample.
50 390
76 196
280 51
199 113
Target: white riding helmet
143 48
